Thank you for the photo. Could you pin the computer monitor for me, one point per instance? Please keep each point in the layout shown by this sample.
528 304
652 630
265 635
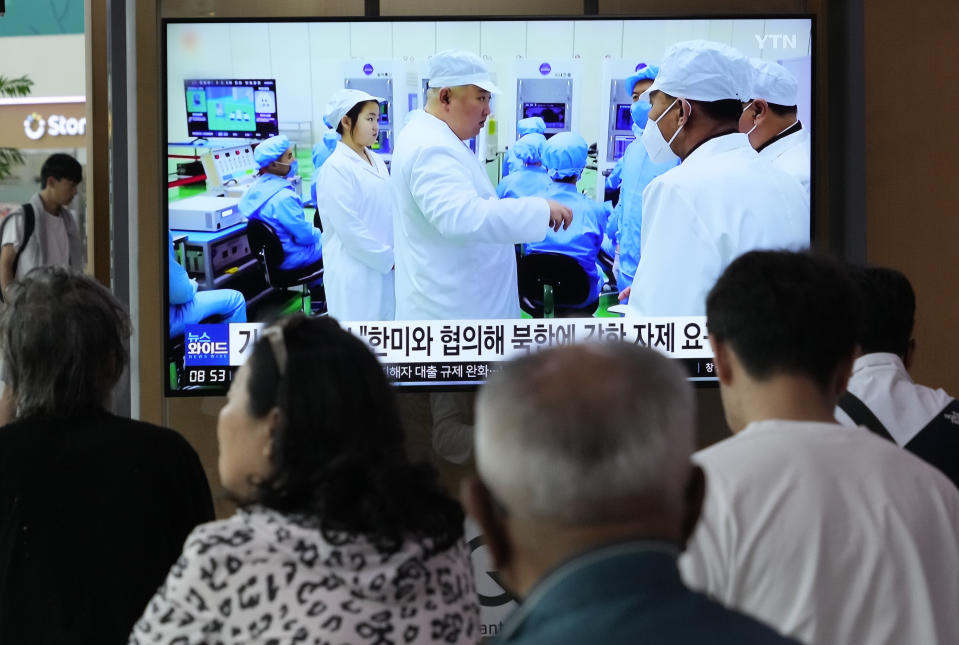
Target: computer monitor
231 108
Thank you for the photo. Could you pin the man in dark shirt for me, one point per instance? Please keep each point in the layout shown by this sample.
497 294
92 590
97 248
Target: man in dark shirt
94 508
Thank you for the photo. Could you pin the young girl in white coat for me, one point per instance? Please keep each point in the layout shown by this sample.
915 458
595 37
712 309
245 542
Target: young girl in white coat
356 212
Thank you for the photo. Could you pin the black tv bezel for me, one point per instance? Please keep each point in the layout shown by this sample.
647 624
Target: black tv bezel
165 22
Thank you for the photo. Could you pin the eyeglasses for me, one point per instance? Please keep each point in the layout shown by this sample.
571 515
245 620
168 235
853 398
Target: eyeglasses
278 346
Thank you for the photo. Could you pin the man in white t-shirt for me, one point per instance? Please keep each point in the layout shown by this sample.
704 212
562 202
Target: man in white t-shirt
826 532
55 239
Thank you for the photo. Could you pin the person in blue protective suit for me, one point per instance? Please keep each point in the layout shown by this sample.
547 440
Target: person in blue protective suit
189 306
637 83
638 171
531 179
272 200
529 125
564 155
322 152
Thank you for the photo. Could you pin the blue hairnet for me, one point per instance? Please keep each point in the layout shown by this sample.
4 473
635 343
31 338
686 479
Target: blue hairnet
639 111
529 148
271 150
529 125
325 147
564 155
644 73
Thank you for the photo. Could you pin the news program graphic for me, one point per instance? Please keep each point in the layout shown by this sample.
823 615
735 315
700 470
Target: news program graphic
207 345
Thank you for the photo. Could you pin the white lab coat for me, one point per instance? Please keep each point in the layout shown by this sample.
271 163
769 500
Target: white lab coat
356 211
454 238
722 201
791 154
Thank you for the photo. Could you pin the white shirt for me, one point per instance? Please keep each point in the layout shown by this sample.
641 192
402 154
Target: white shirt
904 407
356 210
791 154
829 534
53 237
721 202
454 238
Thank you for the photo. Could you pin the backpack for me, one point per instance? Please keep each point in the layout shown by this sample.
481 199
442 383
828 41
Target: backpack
29 222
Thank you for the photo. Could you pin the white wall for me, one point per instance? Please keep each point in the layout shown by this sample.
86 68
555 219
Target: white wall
56 64
305 58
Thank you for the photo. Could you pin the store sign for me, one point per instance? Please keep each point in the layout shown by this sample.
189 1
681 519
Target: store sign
43 123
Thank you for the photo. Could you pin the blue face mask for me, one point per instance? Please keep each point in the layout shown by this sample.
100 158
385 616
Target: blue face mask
639 111
294 166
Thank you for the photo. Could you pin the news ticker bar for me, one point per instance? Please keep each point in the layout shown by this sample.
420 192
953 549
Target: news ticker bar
412 344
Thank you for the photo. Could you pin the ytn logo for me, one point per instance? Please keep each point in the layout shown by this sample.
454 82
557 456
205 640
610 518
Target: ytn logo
788 41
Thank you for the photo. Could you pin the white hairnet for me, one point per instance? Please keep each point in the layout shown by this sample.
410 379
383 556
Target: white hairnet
342 102
703 70
773 83
455 67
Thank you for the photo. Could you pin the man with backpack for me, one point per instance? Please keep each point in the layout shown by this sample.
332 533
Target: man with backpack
44 232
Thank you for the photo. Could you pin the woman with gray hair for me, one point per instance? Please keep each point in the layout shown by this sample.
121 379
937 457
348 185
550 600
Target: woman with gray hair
93 507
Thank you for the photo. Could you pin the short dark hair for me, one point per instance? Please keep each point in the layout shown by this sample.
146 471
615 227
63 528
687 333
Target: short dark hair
725 110
888 309
339 453
783 110
60 166
64 341
786 312
353 115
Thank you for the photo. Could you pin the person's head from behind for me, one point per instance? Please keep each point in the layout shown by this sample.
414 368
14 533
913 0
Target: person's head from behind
696 95
530 125
582 446
888 312
564 156
529 149
64 343
59 177
459 91
311 426
783 329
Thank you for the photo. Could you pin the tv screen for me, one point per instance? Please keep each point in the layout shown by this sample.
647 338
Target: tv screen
231 108
553 114
624 120
223 267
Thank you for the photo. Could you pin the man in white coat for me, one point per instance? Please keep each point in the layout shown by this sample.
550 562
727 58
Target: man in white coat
453 237
722 200
770 120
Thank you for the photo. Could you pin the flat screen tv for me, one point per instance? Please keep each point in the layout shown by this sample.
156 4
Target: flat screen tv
310 59
231 108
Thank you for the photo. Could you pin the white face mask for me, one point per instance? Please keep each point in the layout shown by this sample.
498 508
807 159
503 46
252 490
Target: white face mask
755 125
656 144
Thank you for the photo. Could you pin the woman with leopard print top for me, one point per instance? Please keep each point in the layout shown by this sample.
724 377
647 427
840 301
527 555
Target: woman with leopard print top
339 538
